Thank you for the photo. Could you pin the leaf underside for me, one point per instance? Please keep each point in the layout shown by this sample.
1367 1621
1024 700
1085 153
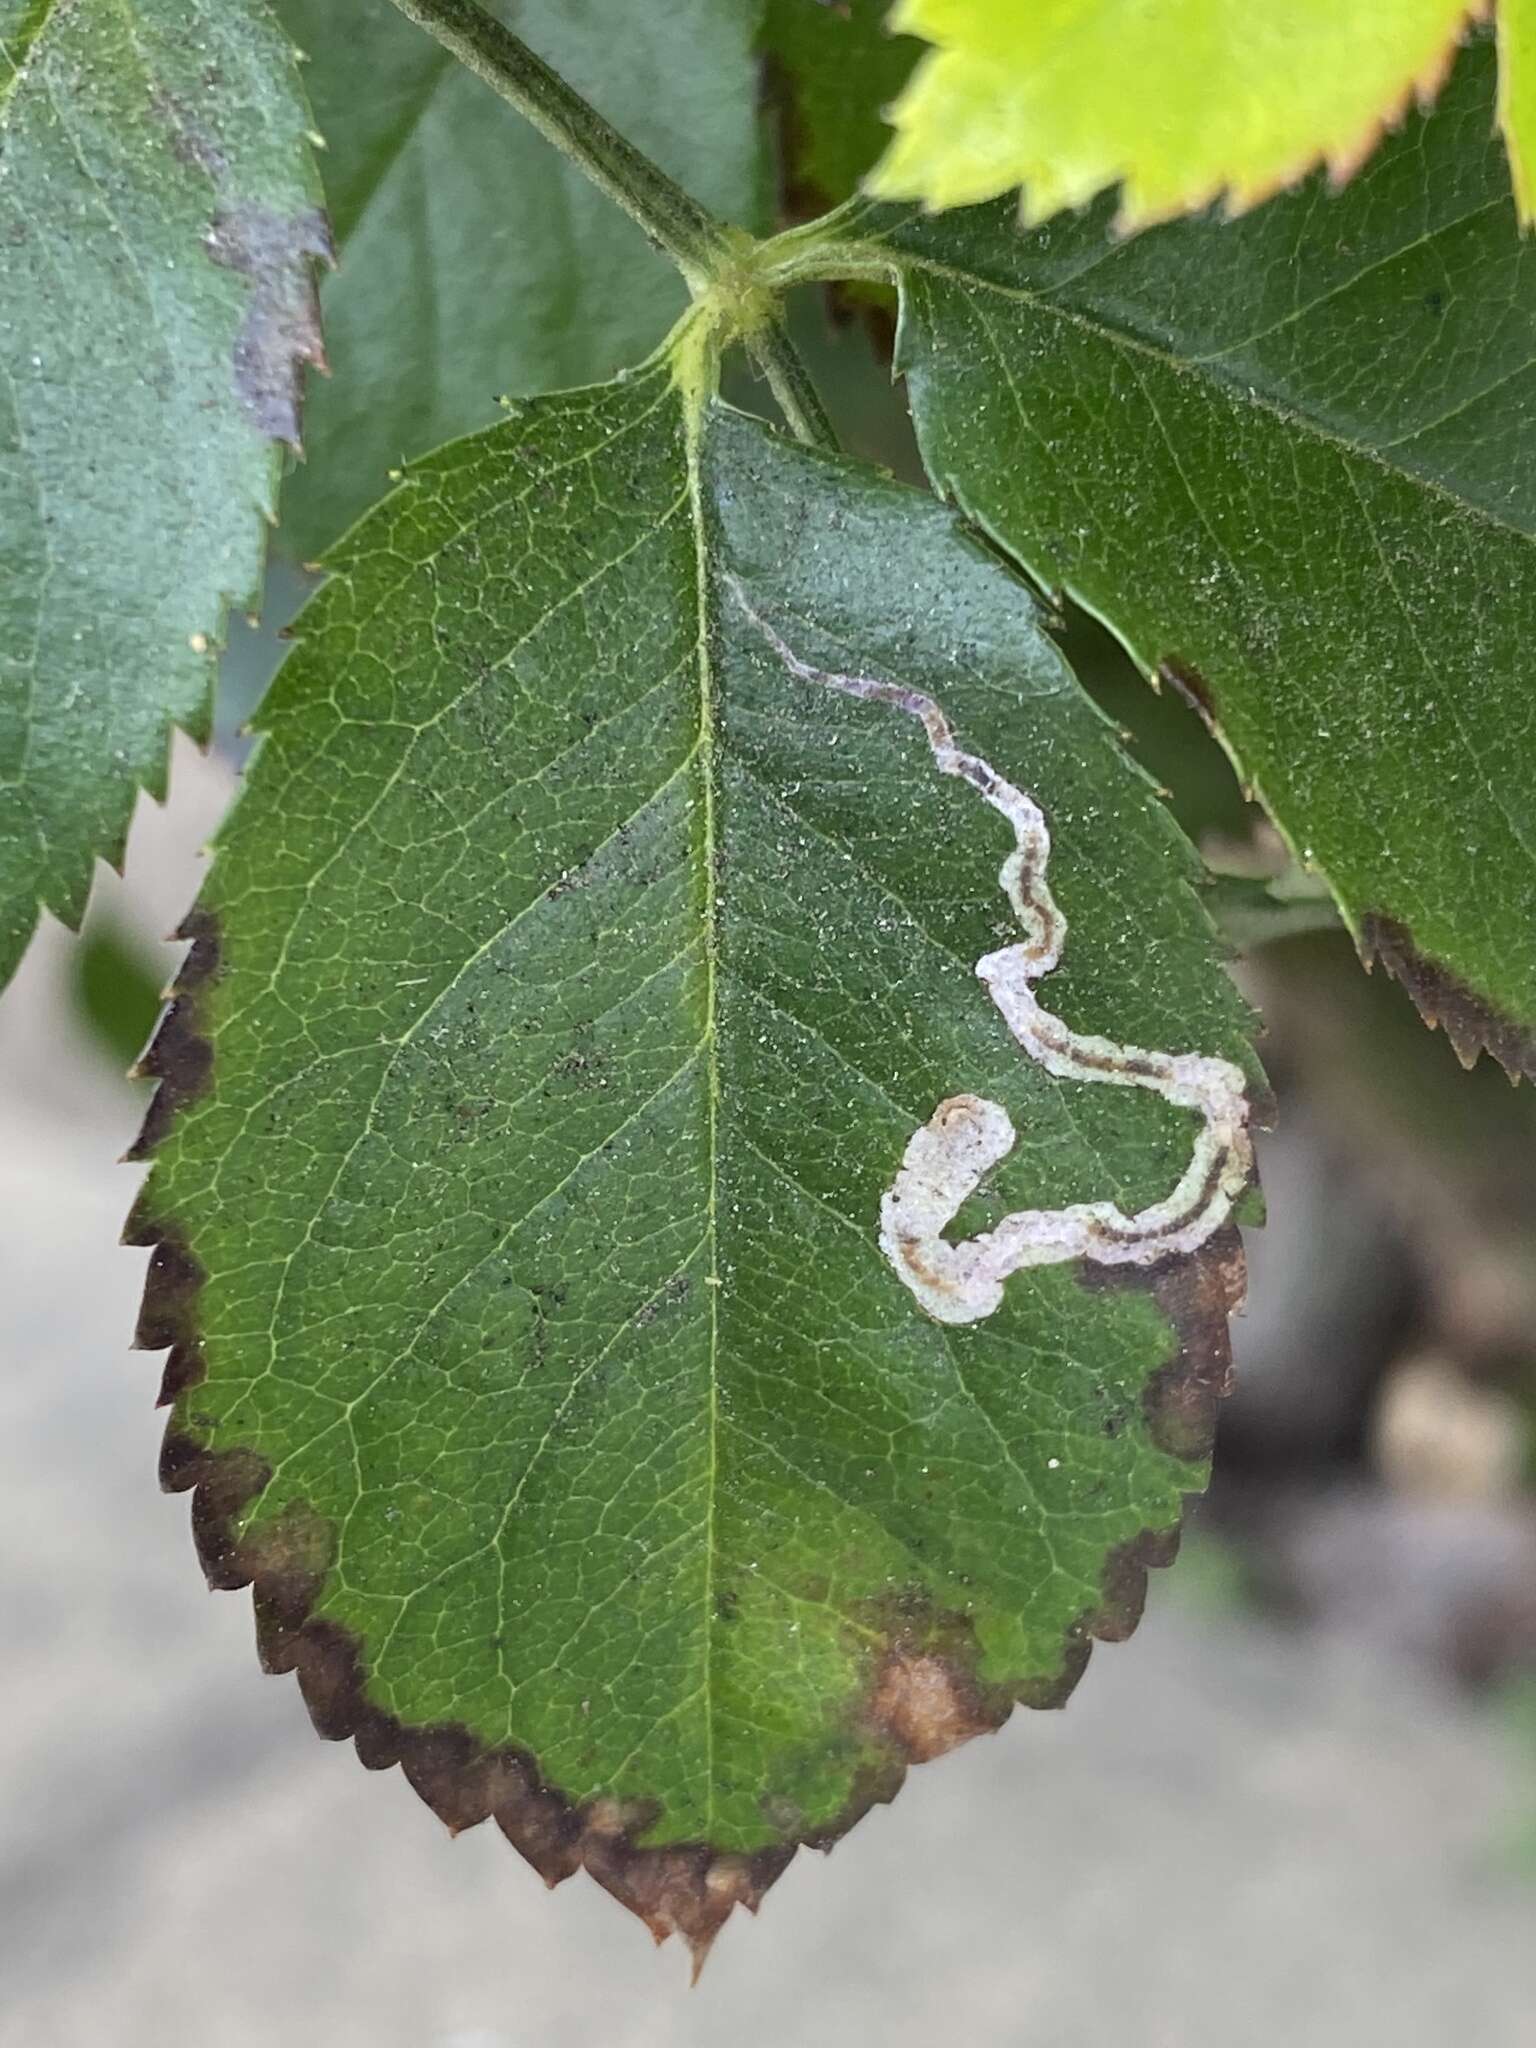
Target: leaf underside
1289 459
475 261
1179 104
160 224
569 980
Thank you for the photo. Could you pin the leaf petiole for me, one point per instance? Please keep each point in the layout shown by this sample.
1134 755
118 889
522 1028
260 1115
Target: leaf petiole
794 393
677 223
717 261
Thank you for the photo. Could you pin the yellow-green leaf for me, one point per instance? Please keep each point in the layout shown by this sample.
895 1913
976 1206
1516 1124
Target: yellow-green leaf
1517 99
1179 101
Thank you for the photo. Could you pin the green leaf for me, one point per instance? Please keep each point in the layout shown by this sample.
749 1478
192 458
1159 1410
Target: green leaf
159 222
835 70
1517 99
1290 460
570 982
1180 103
115 989
476 261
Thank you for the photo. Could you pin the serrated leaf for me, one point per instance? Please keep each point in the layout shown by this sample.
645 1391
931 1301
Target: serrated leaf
570 982
476 261
1290 460
1179 104
160 222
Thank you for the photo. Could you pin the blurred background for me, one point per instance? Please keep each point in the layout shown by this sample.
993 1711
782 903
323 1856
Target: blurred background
1298 1808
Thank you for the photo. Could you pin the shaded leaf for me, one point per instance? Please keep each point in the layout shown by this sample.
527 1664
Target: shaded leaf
115 990
569 983
1179 104
1256 913
476 261
1289 460
835 71
160 222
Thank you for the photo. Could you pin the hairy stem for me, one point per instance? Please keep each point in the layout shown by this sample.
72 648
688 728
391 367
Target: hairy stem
676 223
794 393
703 248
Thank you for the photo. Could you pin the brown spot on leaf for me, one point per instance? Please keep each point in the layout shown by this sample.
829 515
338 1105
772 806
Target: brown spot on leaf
1197 1295
925 1695
1190 687
1469 1020
926 1705
278 254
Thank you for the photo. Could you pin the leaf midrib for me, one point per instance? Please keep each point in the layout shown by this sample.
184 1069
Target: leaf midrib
694 408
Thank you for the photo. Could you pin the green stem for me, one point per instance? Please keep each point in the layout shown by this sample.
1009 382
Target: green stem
678 224
705 250
794 393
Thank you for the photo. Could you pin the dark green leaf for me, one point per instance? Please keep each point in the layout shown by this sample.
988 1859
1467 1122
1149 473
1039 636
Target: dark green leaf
115 989
1292 461
834 70
475 260
159 221
569 983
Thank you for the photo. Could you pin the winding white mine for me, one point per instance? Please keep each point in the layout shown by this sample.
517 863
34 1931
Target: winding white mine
945 1162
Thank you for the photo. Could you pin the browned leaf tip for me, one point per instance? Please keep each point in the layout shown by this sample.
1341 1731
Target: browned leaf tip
922 1696
1469 1020
923 1699
688 1889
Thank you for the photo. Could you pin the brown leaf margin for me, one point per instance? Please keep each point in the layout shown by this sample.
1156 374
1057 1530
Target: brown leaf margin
1469 1020
923 1698
1473 1024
